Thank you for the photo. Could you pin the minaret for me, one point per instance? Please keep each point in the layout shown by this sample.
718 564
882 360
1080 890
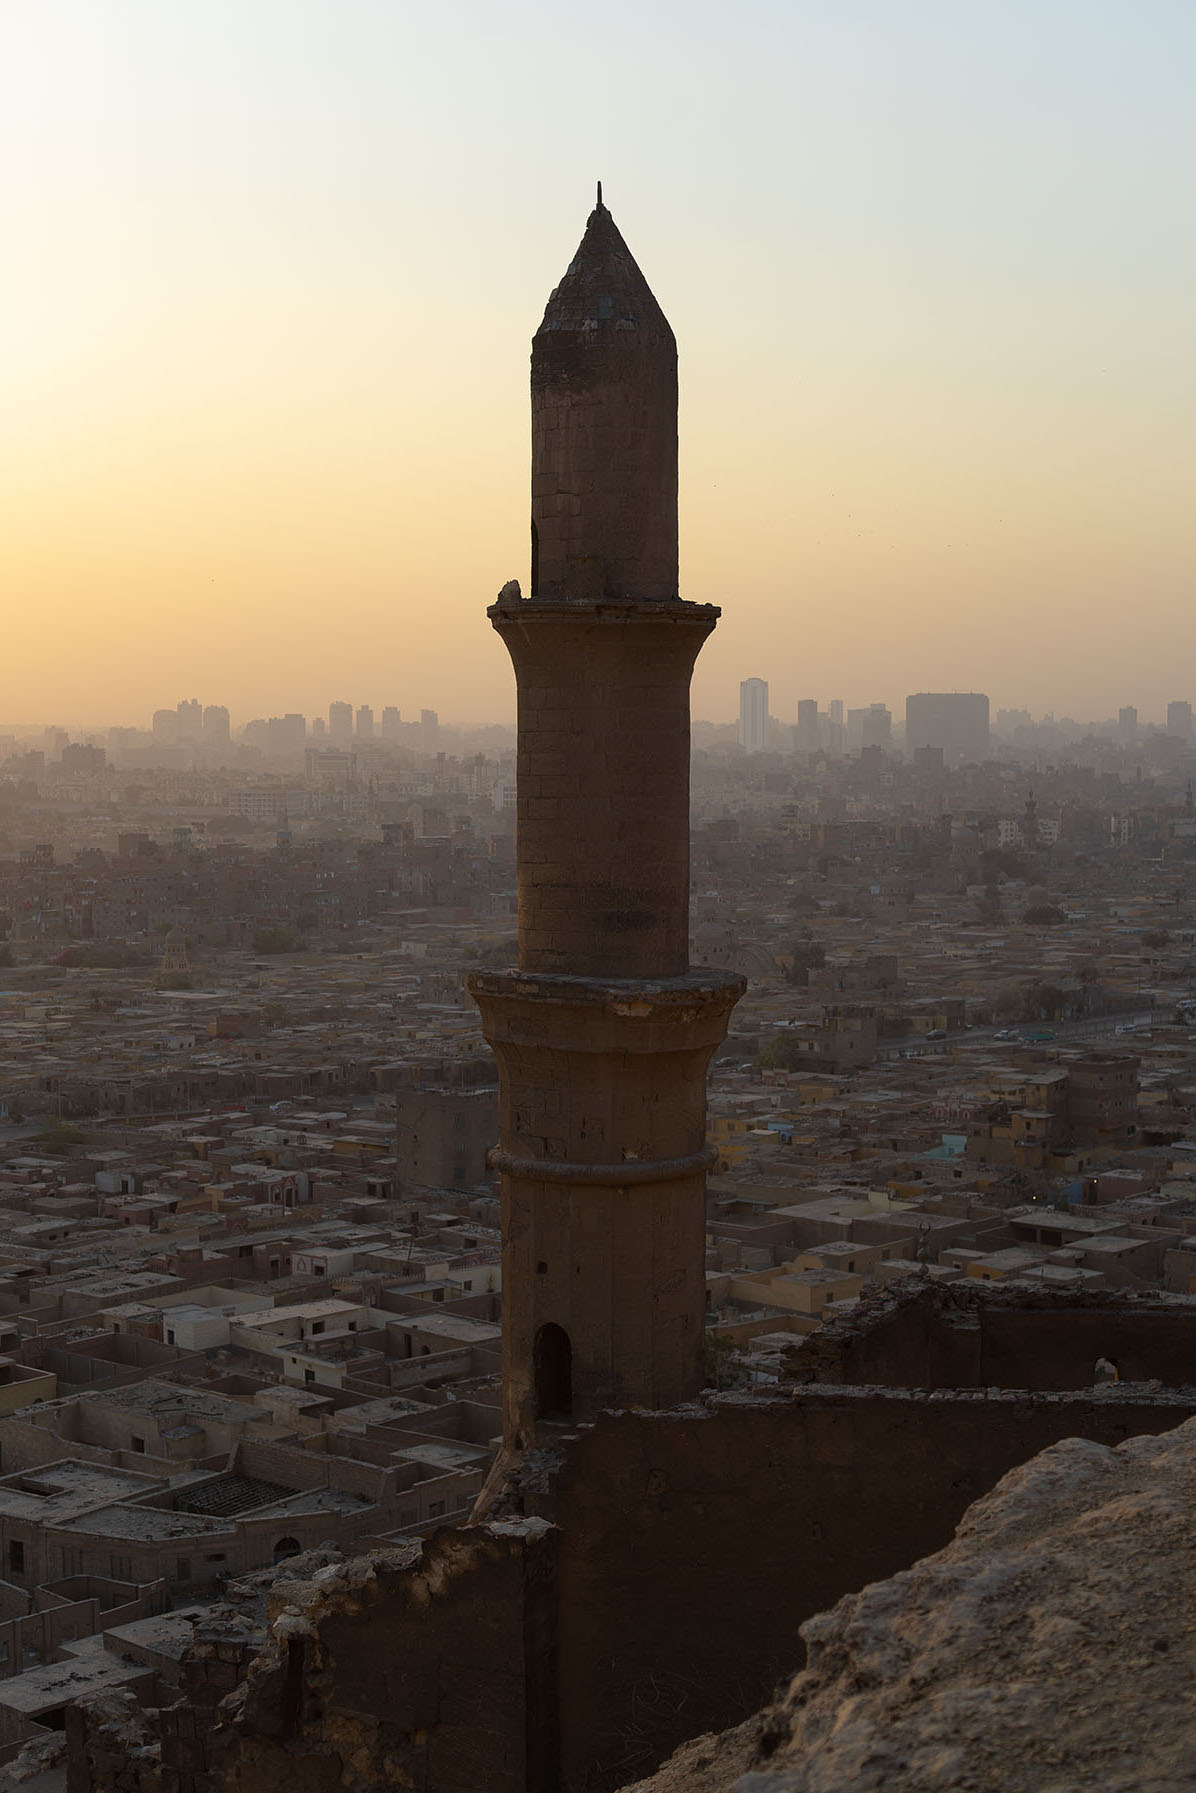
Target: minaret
603 1034
174 964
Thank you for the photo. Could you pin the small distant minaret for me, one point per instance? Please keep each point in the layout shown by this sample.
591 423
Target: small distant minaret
1030 820
174 962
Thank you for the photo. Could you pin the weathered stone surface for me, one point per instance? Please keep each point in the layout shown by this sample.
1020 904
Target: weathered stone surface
1051 1646
429 1670
112 1746
970 1334
604 430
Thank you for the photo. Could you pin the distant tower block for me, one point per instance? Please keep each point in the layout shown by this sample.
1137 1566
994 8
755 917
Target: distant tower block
603 1035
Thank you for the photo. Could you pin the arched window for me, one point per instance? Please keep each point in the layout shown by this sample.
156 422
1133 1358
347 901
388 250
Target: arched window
554 1373
286 1547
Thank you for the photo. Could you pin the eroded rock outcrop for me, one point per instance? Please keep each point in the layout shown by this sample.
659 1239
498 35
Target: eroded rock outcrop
1051 1646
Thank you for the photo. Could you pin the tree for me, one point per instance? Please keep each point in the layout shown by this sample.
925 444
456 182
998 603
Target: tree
989 912
724 1363
1002 862
1044 1002
275 940
57 1137
782 1053
805 956
1043 915
1008 1003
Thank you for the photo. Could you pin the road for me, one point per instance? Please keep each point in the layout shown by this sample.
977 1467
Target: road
1093 1027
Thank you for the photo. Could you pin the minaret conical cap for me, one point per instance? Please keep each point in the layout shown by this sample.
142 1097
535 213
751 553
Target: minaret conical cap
603 284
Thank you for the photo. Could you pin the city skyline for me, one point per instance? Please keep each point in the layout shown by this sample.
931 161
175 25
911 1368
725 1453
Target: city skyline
386 718
259 426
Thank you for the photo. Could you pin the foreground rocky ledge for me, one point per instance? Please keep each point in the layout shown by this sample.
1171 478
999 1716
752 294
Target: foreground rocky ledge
1051 1646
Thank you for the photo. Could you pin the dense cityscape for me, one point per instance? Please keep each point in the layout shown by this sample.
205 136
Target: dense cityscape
252 1282
588 1239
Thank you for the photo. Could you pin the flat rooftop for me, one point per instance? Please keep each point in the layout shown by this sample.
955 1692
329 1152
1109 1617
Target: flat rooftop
61 1491
56 1684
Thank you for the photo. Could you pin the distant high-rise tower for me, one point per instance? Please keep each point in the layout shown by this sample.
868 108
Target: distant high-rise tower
286 736
365 723
872 727
392 724
429 731
1127 722
753 715
603 1033
956 721
809 734
1179 720
216 731
190 715
340 724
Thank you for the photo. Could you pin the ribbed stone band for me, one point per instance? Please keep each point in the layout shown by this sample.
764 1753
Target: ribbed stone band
631 1171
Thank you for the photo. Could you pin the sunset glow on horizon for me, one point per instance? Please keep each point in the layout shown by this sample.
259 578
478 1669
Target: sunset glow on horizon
274 267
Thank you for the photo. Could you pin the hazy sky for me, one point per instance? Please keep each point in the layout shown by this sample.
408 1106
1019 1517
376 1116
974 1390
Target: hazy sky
271 268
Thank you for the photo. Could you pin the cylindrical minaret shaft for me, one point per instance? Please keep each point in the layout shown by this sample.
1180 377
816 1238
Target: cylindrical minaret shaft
603 1034
603 783
604 431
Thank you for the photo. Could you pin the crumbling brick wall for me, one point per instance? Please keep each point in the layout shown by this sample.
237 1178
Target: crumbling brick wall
112 1745
214 1666
431 1671
970 1334
694 1543
686 1549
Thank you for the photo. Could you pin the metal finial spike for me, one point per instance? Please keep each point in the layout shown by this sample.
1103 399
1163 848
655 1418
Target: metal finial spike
600 193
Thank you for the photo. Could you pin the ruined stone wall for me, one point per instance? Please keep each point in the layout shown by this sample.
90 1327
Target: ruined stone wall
665 1599
1052 1644
968 1335
694 1544
113 1746
431 1671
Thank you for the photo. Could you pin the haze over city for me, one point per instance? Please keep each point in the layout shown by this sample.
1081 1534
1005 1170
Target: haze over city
273 270
641 1240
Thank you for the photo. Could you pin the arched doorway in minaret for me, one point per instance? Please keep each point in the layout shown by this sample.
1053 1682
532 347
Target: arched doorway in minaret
554 1373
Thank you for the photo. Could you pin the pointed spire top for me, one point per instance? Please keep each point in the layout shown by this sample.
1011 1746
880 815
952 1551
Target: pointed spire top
603 285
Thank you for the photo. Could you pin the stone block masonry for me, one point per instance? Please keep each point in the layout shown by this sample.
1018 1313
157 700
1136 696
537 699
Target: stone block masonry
603 1035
